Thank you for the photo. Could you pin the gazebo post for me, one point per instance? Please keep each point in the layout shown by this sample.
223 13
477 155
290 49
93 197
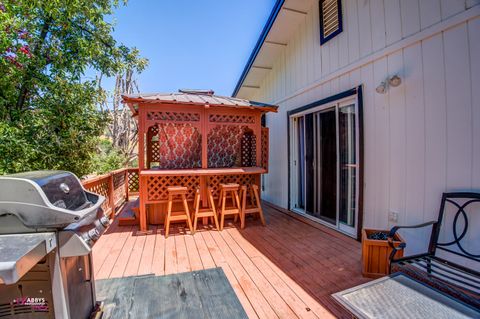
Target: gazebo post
141 139
203 179
141 165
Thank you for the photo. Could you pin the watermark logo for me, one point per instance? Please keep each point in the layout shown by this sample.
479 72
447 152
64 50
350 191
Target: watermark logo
37 304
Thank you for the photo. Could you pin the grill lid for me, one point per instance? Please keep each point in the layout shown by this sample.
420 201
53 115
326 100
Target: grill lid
45 200
62 189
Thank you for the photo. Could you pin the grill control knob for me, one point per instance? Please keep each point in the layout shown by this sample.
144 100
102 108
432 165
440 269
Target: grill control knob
105 221
93 234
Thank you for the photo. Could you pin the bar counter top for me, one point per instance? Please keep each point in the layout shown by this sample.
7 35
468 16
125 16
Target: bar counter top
204 171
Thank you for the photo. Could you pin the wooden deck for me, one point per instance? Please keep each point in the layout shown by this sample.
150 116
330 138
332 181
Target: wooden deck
285 270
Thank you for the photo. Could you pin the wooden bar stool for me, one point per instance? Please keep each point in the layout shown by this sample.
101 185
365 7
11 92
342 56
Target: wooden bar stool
229 190
204 212
179 215
255 206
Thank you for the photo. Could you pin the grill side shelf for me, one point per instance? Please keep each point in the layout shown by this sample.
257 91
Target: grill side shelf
20 252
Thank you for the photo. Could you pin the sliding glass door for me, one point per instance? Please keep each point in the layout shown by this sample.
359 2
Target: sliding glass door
324 165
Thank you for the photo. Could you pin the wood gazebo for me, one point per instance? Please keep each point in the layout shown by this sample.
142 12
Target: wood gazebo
195 139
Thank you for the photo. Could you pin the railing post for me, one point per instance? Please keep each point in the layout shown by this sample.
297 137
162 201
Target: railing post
126 185
111 192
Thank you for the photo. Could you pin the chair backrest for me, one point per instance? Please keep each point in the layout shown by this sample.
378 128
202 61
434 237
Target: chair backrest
457 235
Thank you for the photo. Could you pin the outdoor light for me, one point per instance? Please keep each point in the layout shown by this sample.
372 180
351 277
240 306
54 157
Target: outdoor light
382 88
395 81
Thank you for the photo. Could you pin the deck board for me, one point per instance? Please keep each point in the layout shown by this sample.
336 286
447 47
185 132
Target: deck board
288 269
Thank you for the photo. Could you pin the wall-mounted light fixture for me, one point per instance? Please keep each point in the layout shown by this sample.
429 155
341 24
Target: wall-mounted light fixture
382 88
392 81
395 81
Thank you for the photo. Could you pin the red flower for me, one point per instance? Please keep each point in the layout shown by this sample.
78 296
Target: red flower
25 50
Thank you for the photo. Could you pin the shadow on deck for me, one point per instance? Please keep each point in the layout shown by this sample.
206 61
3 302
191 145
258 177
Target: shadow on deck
288 269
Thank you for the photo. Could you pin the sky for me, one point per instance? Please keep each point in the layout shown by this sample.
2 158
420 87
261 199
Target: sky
190 44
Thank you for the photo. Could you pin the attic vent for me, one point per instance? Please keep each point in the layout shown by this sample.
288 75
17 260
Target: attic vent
330 19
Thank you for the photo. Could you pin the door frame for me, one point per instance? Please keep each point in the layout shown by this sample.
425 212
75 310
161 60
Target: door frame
334 99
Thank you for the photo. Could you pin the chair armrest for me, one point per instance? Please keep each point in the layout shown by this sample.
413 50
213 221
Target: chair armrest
402 246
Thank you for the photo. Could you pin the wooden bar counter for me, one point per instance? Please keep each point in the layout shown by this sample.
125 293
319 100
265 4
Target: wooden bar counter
204 171
155 182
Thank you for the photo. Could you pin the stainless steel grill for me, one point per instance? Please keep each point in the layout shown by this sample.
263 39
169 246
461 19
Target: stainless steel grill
48 226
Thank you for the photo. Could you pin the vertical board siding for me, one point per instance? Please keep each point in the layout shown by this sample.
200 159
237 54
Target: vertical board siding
396 107
430 13
452 7
421 138
364 28
352 30
415 146
415 134
377 15
370 143
435 124
393 21
410 12
459 108
474 42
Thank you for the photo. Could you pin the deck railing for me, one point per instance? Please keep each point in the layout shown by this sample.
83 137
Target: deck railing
116 186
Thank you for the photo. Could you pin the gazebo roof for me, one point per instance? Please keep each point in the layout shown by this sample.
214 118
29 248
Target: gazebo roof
193 97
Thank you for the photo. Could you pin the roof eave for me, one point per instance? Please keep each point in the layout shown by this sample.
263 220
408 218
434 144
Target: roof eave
131 101
258 45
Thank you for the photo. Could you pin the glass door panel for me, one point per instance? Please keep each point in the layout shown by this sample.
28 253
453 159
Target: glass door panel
347 164
324 186
325 165
300 160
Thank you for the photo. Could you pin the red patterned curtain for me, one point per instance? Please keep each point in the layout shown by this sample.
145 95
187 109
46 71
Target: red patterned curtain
179 146
225 145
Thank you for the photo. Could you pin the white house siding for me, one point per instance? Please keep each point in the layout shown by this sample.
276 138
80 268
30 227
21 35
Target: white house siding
421 138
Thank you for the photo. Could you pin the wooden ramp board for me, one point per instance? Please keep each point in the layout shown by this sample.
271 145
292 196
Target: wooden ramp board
197 294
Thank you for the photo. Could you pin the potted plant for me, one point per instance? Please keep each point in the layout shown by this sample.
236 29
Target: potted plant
376 252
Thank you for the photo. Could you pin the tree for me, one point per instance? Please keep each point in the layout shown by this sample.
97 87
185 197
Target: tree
122 128
48 115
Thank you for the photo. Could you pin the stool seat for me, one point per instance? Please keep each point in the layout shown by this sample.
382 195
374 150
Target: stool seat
174 190
183 215
231 190
230 186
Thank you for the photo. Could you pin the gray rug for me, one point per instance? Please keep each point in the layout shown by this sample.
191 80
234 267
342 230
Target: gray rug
196 294
398 296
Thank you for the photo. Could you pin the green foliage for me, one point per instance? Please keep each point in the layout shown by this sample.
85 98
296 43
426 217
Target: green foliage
48 116
108 158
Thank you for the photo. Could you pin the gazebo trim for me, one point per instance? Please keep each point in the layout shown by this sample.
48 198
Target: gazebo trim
134 101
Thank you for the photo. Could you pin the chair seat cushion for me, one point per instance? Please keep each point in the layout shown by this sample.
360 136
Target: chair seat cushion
443 277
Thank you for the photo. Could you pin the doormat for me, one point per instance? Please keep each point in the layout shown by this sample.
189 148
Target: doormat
196 294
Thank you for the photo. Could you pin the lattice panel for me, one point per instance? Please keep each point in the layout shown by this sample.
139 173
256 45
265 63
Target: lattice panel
173 116
231 118
265 147
248 149
224 145
157 186
102 188
133 181
215 181
153 153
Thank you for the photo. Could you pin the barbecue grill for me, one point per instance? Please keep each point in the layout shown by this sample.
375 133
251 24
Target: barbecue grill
48 225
